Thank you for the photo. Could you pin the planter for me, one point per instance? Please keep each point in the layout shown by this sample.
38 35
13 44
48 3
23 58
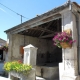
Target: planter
15 75
65 45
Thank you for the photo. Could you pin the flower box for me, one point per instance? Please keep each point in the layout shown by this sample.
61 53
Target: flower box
15 75
65 45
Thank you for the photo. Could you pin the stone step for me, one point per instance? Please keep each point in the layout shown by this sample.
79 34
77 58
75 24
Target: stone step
39 78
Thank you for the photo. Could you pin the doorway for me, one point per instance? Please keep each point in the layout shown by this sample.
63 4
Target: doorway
1 55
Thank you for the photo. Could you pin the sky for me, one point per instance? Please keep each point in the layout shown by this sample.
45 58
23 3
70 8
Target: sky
27 8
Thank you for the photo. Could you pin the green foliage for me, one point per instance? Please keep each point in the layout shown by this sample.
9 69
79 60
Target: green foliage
17 66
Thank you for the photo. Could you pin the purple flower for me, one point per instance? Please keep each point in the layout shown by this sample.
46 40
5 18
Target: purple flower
71 42
66 38
74 41
63 37
54 43
60 39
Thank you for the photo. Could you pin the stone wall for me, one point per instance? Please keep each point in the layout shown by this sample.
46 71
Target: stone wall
44 46
18 40
49 73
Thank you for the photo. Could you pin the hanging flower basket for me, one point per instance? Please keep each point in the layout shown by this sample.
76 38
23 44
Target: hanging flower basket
65 45
63 40
4 48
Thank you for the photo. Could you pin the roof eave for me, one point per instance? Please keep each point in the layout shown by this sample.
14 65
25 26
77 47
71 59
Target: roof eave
53 11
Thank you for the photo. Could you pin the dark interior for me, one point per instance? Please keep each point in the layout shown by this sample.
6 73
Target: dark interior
52 59
1 55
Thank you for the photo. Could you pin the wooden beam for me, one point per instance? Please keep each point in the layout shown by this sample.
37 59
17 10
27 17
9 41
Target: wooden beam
47 36
30 25
46 28
43 29
17 30
58 25
42 33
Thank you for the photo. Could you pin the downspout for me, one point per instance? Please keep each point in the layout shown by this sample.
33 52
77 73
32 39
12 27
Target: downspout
77 20
77 26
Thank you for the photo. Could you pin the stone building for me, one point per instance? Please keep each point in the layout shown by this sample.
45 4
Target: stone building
2 55
52 62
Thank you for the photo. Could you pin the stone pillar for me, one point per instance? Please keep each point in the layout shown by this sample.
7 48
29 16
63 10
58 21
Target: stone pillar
10 43
30 53
68 68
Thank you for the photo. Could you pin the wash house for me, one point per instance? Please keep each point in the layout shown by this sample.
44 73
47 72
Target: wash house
51 62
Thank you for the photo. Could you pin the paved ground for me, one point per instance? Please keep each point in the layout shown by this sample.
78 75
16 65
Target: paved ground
3 78
37 78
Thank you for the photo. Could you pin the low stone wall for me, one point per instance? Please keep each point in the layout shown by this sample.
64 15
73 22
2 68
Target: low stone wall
50 73
15 75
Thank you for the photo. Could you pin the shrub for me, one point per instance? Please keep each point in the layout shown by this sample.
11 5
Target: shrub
17 66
